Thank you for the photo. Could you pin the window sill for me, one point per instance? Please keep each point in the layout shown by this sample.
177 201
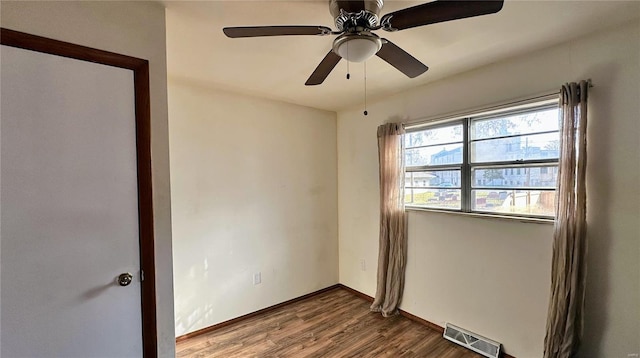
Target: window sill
484 216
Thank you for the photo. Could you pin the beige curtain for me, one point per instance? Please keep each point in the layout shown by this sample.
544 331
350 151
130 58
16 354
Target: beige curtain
393 242
568 270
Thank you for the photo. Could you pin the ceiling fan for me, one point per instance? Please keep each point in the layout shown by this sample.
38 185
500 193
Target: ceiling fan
355 21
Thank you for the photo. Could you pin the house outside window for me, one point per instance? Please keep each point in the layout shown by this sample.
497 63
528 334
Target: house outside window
503 162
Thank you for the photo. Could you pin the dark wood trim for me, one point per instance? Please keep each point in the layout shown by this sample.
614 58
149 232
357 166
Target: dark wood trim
406 314
65 49
145 209
140 68
253 314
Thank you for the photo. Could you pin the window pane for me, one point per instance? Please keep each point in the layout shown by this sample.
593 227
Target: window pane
528 147
525 123
407 179
524 202
436 178
440 154
434 136
538 177
434 198
512 159
420 179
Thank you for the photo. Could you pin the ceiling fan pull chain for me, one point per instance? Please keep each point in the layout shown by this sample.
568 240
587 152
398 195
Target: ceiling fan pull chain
365 88
348 74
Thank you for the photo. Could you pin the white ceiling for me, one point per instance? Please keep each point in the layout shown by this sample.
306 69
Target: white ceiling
277 67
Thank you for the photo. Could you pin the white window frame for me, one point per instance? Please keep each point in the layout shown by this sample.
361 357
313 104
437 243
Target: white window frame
466 167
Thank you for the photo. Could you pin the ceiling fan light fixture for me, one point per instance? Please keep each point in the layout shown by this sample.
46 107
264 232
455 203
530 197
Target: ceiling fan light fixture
357 47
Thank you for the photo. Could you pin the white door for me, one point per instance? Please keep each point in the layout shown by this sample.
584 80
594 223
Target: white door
69 208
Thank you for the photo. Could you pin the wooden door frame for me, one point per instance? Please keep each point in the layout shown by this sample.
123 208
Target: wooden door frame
140 69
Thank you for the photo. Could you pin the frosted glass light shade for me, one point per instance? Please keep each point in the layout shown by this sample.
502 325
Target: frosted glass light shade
358 49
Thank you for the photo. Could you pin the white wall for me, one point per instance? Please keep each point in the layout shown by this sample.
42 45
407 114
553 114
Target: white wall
253 190
493 276
135 29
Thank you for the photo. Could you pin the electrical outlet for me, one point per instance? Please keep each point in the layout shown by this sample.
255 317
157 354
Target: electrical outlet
363 265
257 278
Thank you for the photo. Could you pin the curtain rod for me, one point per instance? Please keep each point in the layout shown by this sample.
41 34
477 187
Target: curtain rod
490 108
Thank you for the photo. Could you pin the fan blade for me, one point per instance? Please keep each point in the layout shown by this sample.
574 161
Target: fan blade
400 59
256 31
351 6
438 11
324 68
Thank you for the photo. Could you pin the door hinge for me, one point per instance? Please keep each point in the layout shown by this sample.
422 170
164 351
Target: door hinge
141 275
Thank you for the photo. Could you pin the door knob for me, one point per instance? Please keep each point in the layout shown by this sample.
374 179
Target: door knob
125 279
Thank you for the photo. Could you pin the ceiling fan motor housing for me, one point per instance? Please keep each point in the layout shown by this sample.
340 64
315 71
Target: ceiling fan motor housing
346 20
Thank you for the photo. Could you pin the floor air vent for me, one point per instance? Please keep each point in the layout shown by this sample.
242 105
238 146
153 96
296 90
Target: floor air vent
476 343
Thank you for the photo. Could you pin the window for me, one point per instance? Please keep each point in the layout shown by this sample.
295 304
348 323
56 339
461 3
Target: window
499 163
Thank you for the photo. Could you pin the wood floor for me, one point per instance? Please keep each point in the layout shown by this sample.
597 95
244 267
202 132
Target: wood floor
336 323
